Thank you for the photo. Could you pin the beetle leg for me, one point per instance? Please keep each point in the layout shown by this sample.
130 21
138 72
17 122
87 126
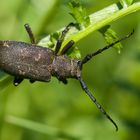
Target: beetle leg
67 47
30 33
64 81
17 81
60 40
31 81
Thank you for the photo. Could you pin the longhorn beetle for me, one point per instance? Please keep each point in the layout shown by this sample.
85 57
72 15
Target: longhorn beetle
36 63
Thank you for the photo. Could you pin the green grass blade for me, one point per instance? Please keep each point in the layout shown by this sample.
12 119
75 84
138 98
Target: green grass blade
38 127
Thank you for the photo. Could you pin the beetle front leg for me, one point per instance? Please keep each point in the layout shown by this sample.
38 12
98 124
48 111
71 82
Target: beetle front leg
30 33
17 81
60 40
67 47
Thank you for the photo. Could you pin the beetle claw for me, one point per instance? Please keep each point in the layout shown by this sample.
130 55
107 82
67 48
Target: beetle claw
17 81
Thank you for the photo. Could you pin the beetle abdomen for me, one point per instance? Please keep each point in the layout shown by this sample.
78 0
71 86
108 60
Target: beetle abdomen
26 60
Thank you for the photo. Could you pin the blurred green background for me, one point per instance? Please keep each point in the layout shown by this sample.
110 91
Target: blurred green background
54 111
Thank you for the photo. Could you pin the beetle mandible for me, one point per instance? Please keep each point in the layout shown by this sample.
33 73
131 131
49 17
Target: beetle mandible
36 63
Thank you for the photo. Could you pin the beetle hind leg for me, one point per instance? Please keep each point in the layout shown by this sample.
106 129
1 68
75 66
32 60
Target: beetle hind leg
30 33
17 81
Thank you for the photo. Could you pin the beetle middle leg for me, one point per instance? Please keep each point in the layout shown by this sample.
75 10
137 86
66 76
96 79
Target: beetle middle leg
60 40
30 33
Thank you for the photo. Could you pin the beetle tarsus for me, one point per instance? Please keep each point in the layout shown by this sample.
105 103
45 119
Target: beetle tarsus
31 81
17 81
64 81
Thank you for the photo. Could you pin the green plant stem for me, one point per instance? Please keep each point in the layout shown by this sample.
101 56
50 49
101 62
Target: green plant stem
98 20
101 23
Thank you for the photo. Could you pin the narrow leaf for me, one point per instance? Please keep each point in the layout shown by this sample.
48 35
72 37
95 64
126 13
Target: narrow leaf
98 20
39 127
126 3
110 37
79 13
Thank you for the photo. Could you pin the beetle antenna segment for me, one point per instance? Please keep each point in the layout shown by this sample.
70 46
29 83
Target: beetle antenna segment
90 56
60 40
85 88
30 33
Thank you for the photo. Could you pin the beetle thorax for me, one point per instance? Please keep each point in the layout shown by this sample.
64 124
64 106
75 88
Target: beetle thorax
64 67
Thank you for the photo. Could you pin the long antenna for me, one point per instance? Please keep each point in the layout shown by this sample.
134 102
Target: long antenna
90 56
85 88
